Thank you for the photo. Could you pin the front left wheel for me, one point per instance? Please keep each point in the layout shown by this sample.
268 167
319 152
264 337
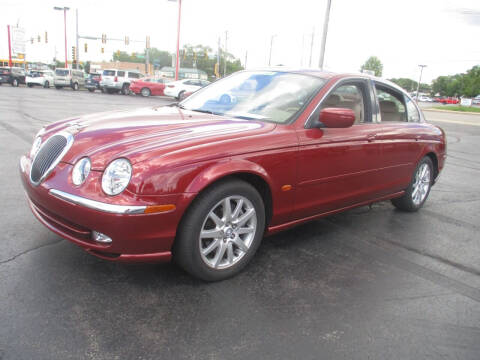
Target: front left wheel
221 231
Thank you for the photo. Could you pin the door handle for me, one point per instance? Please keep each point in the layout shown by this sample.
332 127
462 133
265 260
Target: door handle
418 137
371 137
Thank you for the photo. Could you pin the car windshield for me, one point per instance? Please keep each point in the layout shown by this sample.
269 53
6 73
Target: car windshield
109 72
61 72
259 95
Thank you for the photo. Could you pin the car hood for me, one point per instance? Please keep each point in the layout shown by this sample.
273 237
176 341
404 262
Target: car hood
145 133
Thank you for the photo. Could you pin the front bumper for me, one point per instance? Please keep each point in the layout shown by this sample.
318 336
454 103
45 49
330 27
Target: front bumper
136 236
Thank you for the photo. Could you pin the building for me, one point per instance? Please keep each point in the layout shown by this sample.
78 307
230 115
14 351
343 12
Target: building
183 73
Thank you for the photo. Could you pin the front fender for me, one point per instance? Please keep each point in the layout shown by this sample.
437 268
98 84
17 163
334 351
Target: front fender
225 168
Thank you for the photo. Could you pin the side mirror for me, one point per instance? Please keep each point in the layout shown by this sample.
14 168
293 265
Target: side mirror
335 118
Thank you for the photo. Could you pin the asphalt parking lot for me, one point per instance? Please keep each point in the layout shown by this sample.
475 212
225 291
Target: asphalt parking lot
371 283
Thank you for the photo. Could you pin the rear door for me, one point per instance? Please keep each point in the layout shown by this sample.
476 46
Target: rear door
399 134
339 167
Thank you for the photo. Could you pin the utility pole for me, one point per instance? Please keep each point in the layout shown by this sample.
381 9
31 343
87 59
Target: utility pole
78 48
218 60
271 45
245 64
64 9
303 51
311 48
9 47
324 37
420 79
225 55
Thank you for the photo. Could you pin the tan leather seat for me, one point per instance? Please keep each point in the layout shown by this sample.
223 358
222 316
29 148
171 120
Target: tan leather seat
389 111
332 101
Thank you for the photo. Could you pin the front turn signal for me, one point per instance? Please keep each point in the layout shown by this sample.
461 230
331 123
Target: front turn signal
152 209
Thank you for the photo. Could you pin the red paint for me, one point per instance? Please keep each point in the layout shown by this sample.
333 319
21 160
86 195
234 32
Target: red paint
9 47
176 154
156 89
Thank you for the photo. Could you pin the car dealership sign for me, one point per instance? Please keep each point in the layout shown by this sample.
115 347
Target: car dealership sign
18 40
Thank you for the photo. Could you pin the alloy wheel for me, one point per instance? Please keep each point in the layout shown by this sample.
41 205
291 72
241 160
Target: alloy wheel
227 232
421 184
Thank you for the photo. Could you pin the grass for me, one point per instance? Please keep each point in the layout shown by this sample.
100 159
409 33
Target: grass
458 108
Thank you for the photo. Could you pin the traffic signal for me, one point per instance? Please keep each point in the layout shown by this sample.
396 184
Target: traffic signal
85 47
217 73
103 50
206 54
39 39
127 40
104 38
31 40
46 38
74 53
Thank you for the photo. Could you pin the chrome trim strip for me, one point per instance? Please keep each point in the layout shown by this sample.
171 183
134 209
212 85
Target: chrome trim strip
97 205
67 147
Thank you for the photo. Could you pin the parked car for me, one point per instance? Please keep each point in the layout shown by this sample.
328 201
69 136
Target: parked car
424 98
92 82
115 81
176 89
12 75
476 100
40 78
203 181
69 77
448 100
148 86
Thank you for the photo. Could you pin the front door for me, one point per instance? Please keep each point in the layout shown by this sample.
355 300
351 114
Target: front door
339 167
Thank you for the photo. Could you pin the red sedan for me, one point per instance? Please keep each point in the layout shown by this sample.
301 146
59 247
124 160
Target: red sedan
204 181
148 87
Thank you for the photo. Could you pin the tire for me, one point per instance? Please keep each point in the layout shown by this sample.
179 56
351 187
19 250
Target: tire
226 258
30 85
180 94
15 82
419 188
46 85
111 91
91 90
75 86
58 87
145 92
125 89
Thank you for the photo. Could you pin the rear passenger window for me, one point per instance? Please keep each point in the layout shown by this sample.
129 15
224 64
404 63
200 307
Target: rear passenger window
412 111
391 103
133 75
120 73
347 97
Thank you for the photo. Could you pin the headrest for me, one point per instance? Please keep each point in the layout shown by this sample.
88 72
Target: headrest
332 100
388 106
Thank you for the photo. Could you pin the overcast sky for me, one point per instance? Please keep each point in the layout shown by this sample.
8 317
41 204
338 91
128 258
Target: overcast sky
442 34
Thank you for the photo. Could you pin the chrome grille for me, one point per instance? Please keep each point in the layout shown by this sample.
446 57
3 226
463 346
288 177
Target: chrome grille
49 155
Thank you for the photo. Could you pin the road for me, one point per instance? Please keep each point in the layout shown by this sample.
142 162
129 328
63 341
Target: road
371 283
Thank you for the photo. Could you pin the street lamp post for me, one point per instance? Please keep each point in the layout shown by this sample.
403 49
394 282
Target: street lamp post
324 36
271 45
420 79
64 9
177 60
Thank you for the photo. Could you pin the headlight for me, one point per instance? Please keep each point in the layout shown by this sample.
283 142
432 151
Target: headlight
116 176
80 171
35 147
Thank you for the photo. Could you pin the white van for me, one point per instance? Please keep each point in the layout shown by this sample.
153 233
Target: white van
69 77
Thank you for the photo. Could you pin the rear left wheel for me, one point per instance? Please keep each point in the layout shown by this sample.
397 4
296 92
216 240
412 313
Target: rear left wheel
145 92
46 85
221 231
417 192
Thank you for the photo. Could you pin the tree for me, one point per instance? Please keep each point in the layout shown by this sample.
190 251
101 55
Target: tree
374 64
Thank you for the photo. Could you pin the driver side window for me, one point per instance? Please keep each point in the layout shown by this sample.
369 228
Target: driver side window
348 97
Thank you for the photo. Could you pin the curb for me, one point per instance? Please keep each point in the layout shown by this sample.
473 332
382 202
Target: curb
452 111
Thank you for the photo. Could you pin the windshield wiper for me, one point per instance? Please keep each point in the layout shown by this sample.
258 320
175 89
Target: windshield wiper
206 111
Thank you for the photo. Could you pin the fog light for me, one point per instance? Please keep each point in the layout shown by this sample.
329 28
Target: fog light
101 238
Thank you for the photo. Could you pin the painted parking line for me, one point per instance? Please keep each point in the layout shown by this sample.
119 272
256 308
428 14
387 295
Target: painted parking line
471 123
